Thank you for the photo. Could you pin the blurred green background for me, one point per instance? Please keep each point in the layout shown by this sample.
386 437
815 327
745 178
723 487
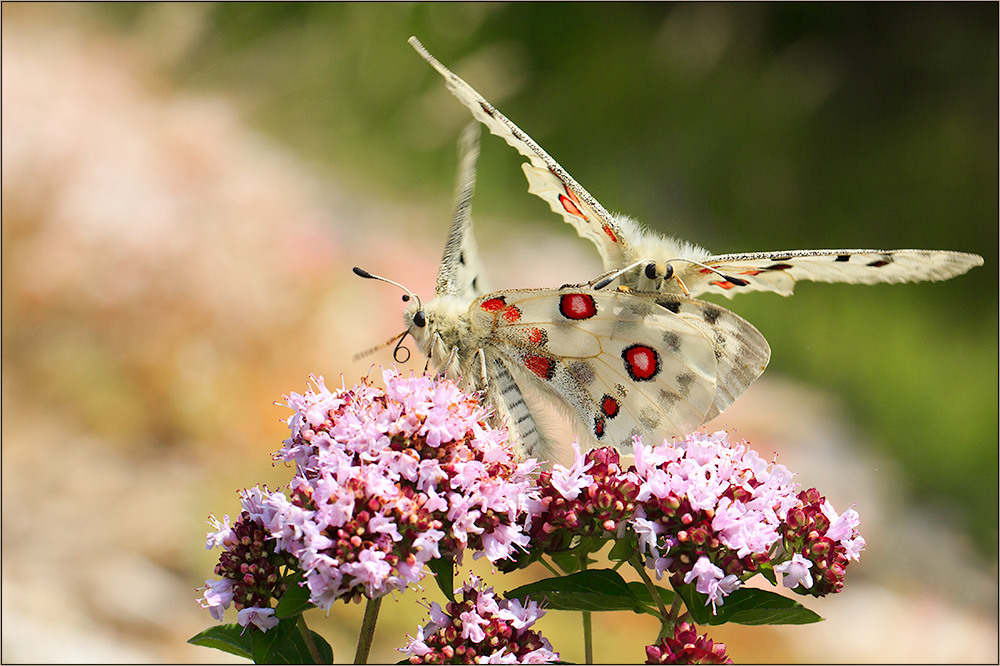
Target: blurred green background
168 273
737 126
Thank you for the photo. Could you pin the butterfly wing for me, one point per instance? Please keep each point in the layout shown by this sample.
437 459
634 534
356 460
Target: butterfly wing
546 177
461 272
779 271
624 364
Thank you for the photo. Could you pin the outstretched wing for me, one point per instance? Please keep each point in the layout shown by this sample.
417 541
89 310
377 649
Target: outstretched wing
545 177
461 272
624 364
779 271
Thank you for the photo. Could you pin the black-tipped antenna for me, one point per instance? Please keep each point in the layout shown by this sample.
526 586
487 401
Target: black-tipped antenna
360 272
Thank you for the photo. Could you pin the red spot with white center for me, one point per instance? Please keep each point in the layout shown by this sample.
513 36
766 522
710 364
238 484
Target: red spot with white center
577 306
543 366
642 363
610 406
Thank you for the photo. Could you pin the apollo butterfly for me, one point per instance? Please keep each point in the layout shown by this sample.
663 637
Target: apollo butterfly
643 260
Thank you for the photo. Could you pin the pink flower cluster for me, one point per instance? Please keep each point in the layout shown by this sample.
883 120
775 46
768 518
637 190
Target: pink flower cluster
703 510
591 498
479 628
709 511
687 647
252 572
387 479
822 543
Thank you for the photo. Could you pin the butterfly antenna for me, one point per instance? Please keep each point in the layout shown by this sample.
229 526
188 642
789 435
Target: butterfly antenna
739 282
395 354
360 272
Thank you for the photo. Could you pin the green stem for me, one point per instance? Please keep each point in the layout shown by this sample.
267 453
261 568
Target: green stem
367 631
307 637
549 567
667 620
588 627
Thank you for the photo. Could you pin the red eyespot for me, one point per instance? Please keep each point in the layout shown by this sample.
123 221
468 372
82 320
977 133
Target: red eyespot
537 337
494 304
577 306
723 283
642 363
543 366
510 314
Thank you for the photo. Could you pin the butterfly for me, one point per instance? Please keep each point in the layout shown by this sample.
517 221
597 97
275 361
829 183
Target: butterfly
644 261
619 363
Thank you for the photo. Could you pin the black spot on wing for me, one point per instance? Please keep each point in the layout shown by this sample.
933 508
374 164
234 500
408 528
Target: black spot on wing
777 267
672 341
711 314
669 304
843 257
684 383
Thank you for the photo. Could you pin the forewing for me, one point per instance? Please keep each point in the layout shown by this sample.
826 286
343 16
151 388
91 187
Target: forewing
623 364
546 177
779 271
461 272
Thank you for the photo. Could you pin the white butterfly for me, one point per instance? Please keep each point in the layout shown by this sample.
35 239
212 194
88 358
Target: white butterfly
619 363
646 261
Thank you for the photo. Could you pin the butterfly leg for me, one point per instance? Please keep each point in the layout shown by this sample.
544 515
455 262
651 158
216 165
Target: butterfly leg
481 357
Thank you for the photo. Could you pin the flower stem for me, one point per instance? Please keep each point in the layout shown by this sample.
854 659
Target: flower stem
367 631
307 637
667 620
588 628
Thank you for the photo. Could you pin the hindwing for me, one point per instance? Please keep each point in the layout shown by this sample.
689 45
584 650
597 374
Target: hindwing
623 363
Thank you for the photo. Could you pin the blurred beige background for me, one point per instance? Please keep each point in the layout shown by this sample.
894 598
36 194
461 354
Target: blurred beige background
169 272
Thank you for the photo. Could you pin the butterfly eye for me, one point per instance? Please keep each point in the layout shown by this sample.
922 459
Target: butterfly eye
419 319
650 271
669 272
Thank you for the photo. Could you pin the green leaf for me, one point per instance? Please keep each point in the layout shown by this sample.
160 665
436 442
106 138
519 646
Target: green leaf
264 644
294 601
444 572
623 549
225 637
591 590
284 644
566 560
746 606
753 607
